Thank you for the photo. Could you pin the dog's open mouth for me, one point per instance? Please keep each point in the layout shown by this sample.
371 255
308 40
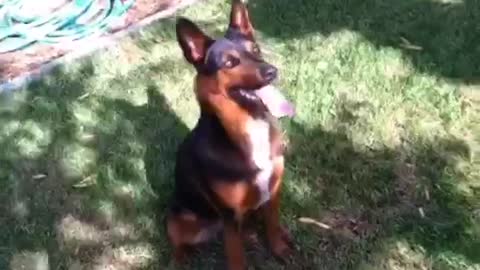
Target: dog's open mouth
275 101
272 98
248 95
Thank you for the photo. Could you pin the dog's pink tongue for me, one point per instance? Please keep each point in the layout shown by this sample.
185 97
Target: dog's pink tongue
276 103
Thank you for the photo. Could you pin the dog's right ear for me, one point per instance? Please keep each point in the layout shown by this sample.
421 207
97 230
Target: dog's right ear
193 41
240 20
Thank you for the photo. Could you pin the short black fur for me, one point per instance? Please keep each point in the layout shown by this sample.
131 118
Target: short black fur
207 153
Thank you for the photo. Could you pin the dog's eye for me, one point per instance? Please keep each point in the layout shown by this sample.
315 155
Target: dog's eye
230 62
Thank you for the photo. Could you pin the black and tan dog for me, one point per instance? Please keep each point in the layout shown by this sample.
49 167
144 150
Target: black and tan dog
231 164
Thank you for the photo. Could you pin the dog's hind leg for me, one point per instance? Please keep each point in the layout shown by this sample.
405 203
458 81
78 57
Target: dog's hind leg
186 230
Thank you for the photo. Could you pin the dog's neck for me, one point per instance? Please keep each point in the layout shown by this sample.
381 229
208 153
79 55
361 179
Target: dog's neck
239 124
258 138
236 122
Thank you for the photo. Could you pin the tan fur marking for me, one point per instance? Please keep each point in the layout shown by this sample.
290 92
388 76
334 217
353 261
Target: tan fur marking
240 196
188 229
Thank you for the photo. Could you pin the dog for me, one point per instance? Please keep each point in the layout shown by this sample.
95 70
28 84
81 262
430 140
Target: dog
231 164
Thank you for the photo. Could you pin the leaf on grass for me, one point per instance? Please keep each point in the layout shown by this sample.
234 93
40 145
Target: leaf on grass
39 176
408 45
84 96
86 182
421 212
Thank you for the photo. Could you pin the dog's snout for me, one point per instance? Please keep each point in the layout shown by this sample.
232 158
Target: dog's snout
269 73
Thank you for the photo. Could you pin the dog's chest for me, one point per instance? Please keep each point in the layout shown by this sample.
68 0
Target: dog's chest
259 135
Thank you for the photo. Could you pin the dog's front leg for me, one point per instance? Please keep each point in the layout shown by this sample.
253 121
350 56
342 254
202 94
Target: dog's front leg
279 239
234 245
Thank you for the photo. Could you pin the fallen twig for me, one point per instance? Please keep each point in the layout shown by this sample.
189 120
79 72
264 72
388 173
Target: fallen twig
308 220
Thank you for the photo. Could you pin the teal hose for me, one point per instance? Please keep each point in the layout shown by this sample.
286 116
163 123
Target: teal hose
76 20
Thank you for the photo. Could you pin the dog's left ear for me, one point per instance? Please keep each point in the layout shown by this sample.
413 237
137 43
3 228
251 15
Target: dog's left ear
240 20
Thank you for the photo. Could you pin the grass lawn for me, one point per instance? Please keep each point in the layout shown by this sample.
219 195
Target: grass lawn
383 168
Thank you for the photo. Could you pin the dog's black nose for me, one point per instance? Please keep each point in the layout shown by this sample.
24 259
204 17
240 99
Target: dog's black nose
269 73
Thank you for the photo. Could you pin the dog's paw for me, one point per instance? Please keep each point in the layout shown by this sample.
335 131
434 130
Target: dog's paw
282 244
250 237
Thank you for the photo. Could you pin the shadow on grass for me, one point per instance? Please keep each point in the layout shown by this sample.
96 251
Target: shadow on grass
34 187
444 34
369 198
74 172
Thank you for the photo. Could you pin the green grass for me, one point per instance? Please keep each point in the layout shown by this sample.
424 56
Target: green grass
384 149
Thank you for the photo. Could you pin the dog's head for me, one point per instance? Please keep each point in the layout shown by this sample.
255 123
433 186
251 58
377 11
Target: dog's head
233 64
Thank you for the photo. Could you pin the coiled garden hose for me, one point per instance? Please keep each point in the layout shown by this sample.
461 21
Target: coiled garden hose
74 20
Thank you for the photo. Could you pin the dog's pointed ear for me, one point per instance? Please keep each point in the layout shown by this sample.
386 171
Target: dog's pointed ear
193 41
240 20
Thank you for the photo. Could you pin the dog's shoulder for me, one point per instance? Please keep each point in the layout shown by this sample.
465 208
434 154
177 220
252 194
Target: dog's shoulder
215 155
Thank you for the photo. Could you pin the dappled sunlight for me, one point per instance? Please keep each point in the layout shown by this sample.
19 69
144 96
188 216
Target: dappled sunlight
116 246
27 138
86 117
404 256
413 183
77 160
125 257
437 36
393 66
31 260
127 193
20 209
393 132
74 233
106 211
122 169
82 191
11 102
399 255
299 192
